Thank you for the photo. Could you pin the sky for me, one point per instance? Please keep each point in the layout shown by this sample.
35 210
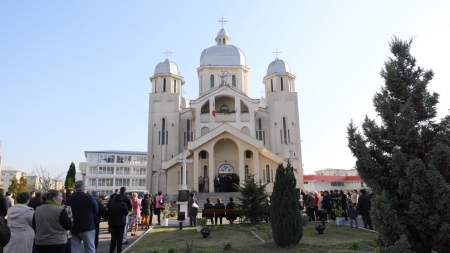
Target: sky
74 75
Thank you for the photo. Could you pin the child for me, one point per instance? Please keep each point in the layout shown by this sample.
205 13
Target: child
352 214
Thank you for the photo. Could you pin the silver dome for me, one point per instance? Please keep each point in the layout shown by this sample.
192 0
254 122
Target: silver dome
223 55
222 32
167 67
278 66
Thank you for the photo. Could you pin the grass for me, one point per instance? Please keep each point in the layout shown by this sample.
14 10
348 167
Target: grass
238 238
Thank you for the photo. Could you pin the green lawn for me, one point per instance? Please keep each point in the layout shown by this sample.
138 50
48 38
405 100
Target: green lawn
239 238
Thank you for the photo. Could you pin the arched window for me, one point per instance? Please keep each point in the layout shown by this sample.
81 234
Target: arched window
233 80
271 85
224 109
156 85
247 172
174 86
268 173
223 41
284 130
281 83
163 134
205 171
211 81
164 85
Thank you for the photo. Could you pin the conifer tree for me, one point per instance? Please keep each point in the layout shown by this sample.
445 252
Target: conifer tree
252 201
405 158
14 187
287 225
70 178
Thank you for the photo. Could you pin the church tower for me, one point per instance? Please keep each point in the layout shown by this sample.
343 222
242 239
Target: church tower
165 104
281 103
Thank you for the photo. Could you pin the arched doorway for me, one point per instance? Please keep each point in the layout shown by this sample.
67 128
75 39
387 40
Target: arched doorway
226 161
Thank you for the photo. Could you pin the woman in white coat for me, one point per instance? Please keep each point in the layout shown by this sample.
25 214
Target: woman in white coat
20 218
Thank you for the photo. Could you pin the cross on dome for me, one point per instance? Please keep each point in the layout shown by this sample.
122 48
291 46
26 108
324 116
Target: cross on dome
222 20
167 53
276 52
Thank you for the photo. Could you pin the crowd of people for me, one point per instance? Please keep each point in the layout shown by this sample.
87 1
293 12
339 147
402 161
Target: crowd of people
352 203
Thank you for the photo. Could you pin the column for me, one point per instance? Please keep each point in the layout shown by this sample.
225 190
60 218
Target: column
195 170
256 169
241 165
212 169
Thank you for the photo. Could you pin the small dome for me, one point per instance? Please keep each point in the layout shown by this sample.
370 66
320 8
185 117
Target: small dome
223 55
222 32
278 66
167 67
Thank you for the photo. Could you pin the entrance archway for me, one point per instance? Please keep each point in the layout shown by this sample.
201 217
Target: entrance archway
226 161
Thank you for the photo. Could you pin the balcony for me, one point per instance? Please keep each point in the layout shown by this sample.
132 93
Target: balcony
226 117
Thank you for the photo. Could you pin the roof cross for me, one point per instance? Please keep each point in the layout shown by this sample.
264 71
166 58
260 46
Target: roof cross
276 52
222 20
167 53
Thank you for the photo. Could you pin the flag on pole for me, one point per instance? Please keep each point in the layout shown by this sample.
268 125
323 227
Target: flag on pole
213 110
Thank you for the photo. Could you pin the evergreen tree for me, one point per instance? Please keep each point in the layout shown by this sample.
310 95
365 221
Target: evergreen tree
14 187
287 224
252 198
23 184
406 158
70 178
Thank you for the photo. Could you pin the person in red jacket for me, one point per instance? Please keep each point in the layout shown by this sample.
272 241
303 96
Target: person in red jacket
316 205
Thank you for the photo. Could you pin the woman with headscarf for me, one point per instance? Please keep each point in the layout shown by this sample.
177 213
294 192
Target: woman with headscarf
20 219
50 221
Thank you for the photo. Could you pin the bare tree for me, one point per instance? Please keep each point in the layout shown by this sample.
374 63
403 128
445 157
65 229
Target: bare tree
47 179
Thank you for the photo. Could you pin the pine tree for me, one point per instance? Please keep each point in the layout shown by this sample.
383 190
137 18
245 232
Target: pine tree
252 198
70 178
406 158
23 184
287 225
14 187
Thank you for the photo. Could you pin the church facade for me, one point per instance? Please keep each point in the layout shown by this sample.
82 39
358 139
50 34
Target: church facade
224 132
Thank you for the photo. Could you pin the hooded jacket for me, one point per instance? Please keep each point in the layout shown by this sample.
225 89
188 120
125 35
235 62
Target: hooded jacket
20 219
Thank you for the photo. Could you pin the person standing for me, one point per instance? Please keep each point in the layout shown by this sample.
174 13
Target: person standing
98 216
316 205
326 203
84 208
20 220
118 213
216 184
192 210
344 204
363 208
352 214
9 199
159 205
354 198
3 204
201 183
32 194
5 233
219 205
136 213
50 221
309 204
145 212
36 201
206 189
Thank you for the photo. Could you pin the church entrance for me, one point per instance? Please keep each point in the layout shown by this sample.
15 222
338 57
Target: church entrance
226 179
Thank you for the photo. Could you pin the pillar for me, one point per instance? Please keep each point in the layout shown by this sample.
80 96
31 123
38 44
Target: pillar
212 170
195 169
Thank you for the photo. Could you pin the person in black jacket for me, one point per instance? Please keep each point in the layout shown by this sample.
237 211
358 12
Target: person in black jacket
231 216
98 216
219 205
5 233
118 214
36 201
208 205
326 203
147 209
364 208
3 204
344 203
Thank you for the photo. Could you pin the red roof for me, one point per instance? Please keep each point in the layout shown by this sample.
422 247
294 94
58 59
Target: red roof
331 178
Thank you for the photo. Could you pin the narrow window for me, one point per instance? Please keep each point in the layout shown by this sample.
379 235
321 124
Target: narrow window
248 154
205 171
174 86
233 80
164 85
281 136
268 173
246 171
264 137
259 129
167 137
184 142
178 177
271 85
284 130
223 41
188 130
289 136
281 83
156 84
163 130
271 171
159 142
211 81
264 175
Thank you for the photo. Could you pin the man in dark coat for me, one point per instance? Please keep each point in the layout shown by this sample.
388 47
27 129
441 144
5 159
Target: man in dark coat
36 201
127 201
344 203
84 208
5 233
3 204
98 216
219 205
364 208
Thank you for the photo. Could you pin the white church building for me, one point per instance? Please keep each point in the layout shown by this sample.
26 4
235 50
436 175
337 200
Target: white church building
223 131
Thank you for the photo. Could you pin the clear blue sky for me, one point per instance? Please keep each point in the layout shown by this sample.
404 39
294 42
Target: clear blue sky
74 74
